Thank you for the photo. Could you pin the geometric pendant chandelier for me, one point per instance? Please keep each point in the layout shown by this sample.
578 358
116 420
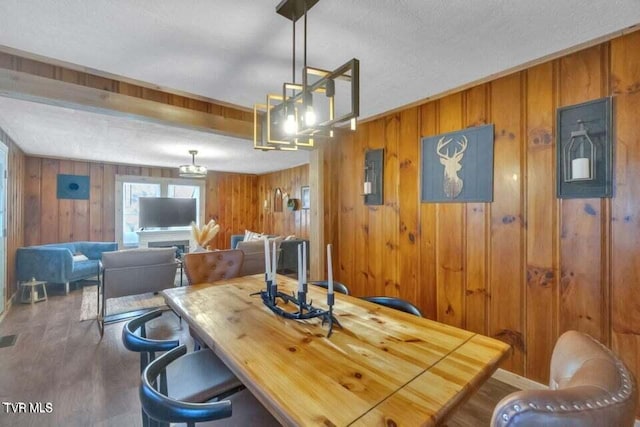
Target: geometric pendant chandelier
308 111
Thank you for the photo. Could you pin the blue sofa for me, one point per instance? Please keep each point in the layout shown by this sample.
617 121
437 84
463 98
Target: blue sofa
60 262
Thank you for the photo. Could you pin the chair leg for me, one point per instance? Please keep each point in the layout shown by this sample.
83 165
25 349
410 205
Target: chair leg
66 288
102 308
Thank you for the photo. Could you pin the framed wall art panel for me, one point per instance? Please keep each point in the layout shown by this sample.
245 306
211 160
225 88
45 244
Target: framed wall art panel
458 166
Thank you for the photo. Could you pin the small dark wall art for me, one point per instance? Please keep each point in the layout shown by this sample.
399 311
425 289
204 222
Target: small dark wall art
305 197
458 166
73 187
585 150
373 188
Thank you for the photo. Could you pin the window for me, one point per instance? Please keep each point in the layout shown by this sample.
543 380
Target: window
129 189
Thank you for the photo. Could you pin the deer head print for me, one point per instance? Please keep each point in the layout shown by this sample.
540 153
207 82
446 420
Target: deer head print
452 183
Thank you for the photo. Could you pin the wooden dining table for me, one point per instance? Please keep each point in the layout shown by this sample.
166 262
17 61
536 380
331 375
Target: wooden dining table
382 367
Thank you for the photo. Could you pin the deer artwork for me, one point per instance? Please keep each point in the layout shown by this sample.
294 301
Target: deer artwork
452 182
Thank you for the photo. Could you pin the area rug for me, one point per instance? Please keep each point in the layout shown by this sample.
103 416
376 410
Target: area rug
89 308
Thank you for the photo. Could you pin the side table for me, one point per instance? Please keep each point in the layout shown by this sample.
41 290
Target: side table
30 291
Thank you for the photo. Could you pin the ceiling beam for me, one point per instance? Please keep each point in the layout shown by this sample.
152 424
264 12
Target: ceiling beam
20 85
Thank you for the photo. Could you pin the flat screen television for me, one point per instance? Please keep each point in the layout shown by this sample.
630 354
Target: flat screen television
166 212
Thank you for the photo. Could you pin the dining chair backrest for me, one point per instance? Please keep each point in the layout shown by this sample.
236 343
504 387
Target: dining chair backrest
140 343
395 303
337 286
209 267
162 409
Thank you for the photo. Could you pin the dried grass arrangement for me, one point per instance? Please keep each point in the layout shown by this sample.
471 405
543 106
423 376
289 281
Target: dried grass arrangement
202 236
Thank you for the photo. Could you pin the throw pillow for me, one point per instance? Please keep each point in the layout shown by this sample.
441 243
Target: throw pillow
80 257
251 235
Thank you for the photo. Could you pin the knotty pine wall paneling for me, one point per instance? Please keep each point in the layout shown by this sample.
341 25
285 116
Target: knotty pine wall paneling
507 219
286 222
233 202
15 210
625 213
409 217
528 266
427 279
347 201
476 112
380 250
542 214
361 226
583 301
450 232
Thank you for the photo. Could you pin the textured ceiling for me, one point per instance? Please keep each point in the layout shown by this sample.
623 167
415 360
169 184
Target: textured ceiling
60 132
238 50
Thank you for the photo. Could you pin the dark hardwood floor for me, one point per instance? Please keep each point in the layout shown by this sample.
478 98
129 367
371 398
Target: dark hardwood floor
94 382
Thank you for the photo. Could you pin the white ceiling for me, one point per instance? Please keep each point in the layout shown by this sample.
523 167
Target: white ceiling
238 50
61 132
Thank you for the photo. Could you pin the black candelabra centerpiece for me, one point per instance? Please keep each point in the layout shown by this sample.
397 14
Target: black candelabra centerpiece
306 310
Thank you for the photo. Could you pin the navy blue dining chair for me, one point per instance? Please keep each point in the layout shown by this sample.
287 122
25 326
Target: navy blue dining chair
240 409
395 303
196 377
337 286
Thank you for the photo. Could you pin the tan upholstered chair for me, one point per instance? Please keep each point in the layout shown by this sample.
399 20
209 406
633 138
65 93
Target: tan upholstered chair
589 386
208 267
135 271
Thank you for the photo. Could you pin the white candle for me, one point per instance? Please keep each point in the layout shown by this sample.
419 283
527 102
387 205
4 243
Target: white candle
274 261
367 188
267 262
329 269
300 277
304 262
580 168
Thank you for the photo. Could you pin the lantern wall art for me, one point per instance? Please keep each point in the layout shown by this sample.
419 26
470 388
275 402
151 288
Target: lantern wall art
585 150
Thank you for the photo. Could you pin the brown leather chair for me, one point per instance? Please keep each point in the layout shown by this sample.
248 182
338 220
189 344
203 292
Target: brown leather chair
589 386
208 267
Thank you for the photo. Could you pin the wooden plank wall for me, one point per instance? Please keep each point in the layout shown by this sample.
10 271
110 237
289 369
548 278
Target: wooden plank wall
287 222
528 266
15 210
233 201
230 200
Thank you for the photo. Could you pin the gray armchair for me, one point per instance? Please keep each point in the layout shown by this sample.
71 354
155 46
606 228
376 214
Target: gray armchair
135 271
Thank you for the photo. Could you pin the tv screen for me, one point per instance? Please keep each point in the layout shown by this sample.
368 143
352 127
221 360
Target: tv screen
166 212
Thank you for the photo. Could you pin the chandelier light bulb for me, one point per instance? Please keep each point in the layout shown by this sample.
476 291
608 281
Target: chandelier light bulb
290 125
310 117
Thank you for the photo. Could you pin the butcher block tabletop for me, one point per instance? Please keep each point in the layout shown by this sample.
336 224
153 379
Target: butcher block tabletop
383 367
